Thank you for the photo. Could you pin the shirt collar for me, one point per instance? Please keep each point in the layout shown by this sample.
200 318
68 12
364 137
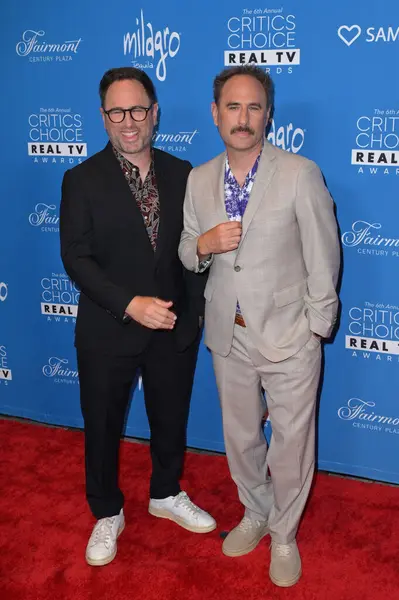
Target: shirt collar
130 168
251 173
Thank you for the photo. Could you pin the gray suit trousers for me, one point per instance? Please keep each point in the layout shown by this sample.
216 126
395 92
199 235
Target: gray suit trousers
273 484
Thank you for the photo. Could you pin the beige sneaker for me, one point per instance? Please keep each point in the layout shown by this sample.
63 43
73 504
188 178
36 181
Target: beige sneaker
285 565
245 537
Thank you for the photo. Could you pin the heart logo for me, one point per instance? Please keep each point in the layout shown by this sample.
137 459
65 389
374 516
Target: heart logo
3 291
349 34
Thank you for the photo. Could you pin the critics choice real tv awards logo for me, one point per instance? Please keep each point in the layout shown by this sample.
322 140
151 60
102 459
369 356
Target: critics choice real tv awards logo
59 298
265 37
372 332
35 45
149 47
376 148
56 136
58 370
5 371
361 415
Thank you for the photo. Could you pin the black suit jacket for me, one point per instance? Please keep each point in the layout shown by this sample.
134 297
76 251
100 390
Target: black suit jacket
106 250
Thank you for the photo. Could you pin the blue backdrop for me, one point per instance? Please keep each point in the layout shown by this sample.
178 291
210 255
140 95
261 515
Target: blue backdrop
337 102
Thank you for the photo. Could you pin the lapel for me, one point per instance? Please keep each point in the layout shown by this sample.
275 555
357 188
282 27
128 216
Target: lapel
121 195
264 175
218 187
114 177
165 207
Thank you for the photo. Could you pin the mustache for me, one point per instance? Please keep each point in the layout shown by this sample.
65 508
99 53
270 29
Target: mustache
242 129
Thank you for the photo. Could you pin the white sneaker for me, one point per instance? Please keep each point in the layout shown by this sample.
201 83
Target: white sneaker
182 511
101 548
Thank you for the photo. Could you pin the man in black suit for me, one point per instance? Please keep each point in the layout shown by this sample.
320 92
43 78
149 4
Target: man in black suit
121 220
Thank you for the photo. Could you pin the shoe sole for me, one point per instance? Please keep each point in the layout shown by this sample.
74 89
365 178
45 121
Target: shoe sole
164 514
101 562
286 583
247 550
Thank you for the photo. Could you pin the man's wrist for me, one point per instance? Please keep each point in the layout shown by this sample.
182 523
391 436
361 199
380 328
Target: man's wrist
202 250
128 311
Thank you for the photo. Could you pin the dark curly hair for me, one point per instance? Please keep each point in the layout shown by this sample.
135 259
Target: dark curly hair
123 73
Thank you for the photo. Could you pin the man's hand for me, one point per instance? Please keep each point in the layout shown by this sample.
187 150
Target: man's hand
222 238
151 312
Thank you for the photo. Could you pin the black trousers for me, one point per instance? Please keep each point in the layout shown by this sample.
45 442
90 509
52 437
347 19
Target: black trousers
105 386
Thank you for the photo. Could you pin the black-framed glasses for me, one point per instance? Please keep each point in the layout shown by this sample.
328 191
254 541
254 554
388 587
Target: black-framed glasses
138 113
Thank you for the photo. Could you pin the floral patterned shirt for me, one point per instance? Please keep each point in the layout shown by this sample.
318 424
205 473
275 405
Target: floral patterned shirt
145 194
236 197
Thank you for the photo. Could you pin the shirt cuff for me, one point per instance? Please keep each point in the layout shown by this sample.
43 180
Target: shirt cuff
204 263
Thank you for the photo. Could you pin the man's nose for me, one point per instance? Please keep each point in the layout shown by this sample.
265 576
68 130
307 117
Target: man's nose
243 116
129 121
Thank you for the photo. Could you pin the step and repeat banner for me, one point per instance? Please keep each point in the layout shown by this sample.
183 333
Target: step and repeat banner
335 68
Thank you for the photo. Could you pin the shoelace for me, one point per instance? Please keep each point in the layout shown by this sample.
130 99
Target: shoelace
103 531
282 550
184 501
245 524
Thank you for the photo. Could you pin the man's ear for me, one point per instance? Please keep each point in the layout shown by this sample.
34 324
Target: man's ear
102 114
155 112
215 113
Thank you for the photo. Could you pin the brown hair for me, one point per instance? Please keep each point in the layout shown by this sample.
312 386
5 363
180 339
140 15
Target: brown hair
264 79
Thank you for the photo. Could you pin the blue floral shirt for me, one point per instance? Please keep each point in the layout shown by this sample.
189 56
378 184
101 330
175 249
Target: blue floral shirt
236 197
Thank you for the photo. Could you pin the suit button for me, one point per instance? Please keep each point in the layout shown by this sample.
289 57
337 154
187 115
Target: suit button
237 268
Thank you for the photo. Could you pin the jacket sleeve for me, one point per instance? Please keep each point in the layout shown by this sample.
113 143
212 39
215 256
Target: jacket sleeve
195 282
76 235
320 247
191 232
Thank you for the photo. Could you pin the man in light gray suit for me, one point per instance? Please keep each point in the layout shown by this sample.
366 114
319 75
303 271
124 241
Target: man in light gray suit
262 220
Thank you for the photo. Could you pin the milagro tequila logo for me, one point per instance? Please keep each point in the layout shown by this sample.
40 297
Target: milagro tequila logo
377 143
286 137
262 36
45 218
373 332
34 45
145 45
359 413
365 237
57 369
60 298
56 136
5 371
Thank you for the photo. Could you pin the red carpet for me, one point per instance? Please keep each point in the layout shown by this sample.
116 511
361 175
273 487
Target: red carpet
349 538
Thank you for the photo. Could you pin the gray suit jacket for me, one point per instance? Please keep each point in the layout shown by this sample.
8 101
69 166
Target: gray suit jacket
285 269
